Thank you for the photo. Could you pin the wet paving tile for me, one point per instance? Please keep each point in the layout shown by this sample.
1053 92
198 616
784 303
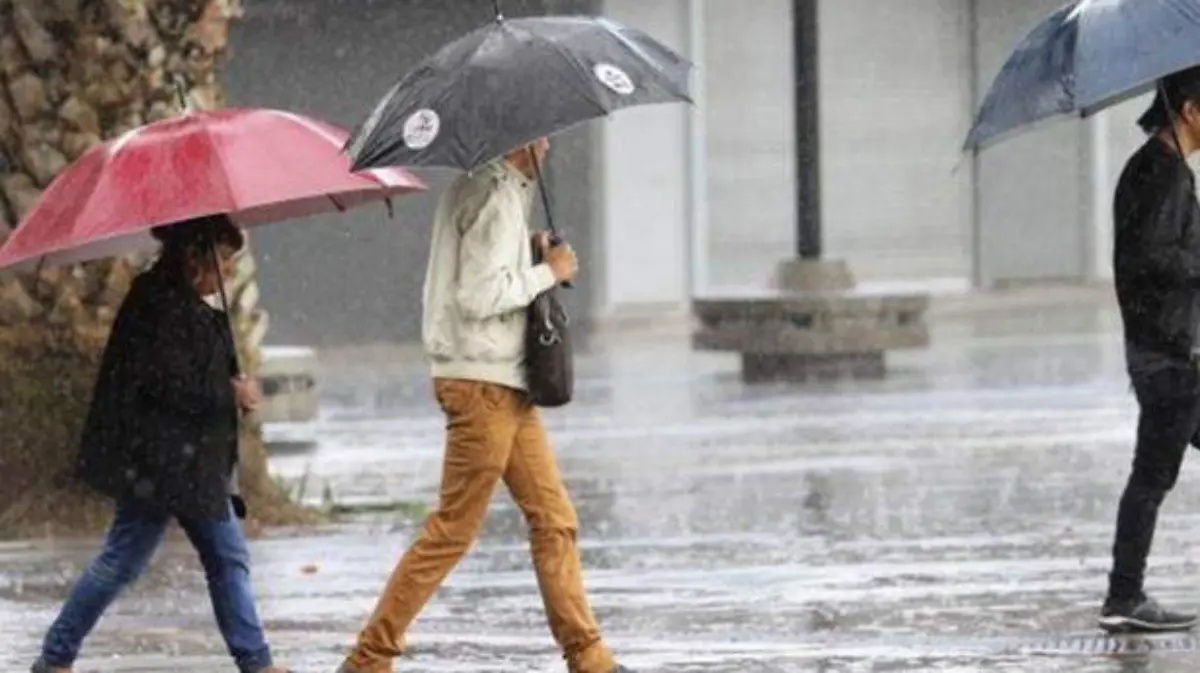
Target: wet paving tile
955 517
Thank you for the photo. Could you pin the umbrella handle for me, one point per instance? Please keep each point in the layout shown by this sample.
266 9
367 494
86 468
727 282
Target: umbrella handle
555 239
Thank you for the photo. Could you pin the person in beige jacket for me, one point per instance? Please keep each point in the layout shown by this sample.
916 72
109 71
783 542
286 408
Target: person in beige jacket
480 280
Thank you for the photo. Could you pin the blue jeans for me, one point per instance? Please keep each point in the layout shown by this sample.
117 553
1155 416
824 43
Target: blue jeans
130 543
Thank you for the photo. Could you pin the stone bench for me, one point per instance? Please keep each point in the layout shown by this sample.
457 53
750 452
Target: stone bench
288 379
802 335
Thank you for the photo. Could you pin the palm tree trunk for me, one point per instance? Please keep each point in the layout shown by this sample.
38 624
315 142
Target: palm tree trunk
73 73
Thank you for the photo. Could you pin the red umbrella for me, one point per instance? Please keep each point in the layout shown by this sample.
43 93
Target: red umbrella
257 166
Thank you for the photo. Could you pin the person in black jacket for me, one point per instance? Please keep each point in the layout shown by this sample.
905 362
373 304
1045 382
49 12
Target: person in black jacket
161 439
1157 266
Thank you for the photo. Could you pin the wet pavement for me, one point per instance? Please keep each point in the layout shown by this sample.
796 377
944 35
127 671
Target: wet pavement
955 517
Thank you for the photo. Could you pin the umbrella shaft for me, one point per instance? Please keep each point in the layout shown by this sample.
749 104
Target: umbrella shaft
216 260
537 173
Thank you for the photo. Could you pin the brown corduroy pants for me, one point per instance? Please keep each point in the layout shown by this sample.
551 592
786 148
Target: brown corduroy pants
493 434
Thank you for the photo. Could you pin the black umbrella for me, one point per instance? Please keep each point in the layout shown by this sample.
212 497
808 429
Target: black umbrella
511 82
1087 56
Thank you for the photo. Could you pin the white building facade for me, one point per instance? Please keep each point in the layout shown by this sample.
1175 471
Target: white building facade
700 200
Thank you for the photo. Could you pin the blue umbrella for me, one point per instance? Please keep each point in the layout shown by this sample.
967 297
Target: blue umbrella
1087 56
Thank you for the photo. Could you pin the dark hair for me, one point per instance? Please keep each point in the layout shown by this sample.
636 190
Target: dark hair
1180 87
189 237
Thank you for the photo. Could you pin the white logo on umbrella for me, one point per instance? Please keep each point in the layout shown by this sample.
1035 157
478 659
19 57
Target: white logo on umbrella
614 78
421 128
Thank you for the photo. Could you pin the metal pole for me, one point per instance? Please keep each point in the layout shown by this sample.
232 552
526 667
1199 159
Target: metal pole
808 130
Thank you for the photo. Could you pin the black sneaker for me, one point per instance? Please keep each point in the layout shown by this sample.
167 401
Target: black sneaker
1142 615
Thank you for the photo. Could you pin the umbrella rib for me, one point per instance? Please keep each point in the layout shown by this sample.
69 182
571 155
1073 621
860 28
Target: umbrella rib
110 149
580 69
323 133
640 52
388 105
216 150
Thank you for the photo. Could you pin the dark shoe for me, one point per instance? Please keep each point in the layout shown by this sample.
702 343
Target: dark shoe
621 669
1142 615
40 666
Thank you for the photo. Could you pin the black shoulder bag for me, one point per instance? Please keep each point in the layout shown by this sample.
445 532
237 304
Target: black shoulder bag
549 361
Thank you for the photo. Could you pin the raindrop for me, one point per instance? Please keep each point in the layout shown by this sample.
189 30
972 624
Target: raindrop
144 488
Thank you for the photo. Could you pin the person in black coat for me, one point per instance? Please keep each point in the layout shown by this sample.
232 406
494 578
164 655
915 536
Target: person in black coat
161 439
1156 261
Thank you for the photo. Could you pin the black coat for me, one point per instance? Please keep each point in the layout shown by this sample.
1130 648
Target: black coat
1156 257
162 427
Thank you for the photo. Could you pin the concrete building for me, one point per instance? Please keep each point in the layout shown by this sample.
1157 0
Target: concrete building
899 84
670 202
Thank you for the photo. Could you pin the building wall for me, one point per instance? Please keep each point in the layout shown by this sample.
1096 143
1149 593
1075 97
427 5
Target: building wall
895 82
900 85
356 278
702 198
1034 190
645 215
750 141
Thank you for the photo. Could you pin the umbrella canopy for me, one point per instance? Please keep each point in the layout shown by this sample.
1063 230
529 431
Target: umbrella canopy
512 82
257 166
1086 56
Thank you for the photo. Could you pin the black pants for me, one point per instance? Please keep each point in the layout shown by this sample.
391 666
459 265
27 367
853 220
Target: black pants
1170 414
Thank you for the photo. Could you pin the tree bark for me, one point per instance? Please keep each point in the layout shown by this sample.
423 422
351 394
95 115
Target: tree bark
74 73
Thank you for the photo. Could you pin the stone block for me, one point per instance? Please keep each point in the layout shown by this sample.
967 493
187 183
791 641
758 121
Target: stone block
812 323
811 335
814 275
